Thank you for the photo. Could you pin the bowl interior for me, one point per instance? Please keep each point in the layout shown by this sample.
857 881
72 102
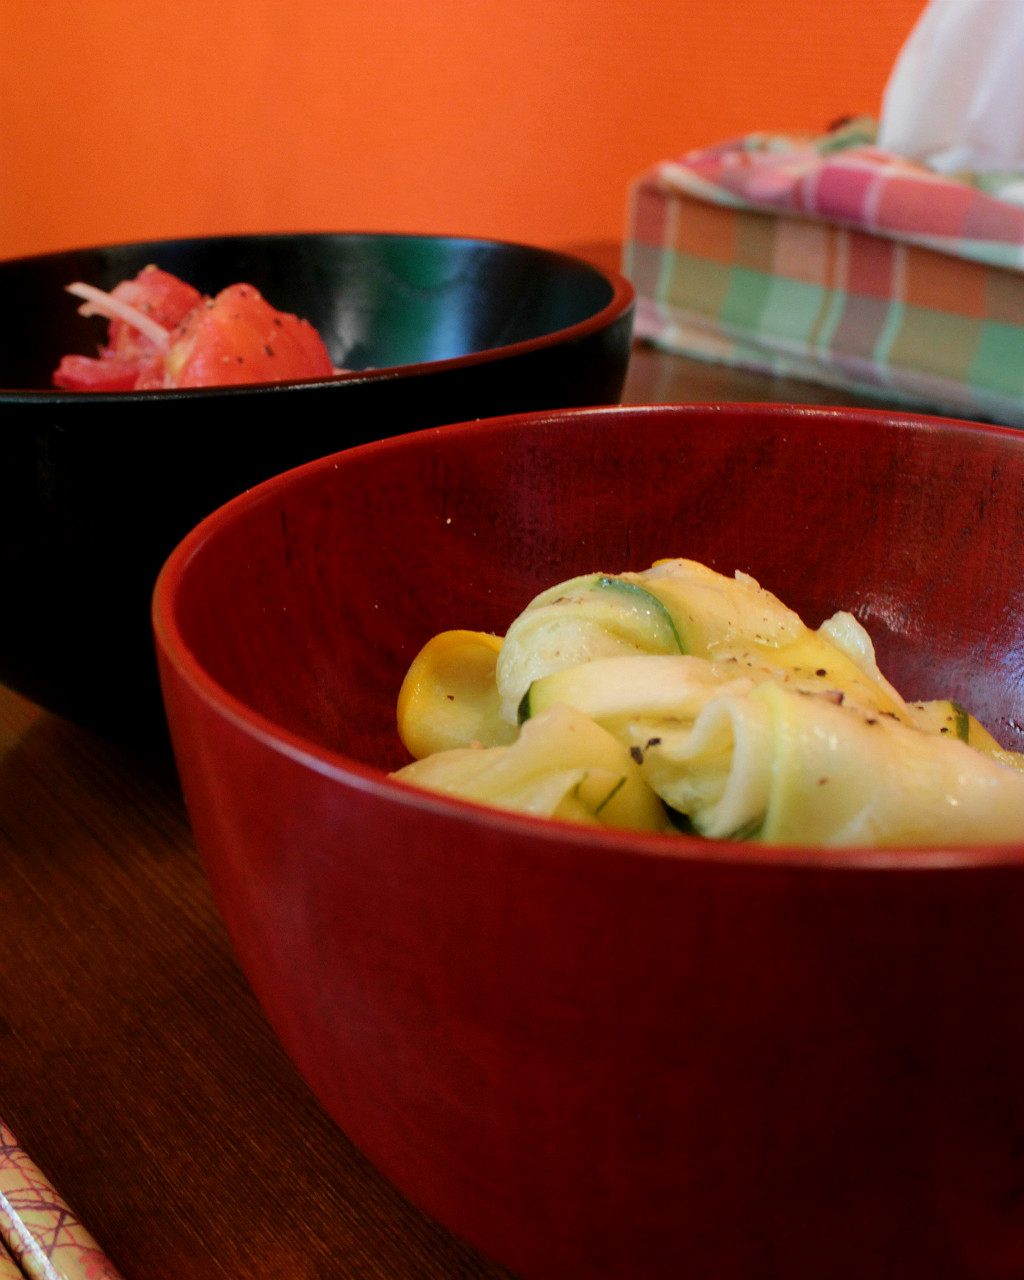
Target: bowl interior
378 300
306 599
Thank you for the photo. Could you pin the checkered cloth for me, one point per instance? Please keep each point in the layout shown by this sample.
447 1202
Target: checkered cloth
831 260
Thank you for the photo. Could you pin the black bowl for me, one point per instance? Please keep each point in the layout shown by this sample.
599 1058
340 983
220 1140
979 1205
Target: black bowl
96 489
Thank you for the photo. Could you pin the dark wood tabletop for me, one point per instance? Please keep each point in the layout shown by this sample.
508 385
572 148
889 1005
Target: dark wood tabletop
135 1064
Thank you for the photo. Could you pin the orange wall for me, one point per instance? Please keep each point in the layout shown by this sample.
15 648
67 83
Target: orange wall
522 119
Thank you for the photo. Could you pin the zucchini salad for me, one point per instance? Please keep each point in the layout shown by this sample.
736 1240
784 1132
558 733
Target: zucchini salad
681 700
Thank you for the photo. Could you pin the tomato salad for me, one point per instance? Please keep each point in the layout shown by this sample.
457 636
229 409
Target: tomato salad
163 333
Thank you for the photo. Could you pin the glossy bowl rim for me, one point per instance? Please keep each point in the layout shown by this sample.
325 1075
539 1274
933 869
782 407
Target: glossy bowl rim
350 772
621 303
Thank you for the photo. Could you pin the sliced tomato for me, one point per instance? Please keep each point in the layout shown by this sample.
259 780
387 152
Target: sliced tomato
239 337
83 373
129 354
157 294
236 337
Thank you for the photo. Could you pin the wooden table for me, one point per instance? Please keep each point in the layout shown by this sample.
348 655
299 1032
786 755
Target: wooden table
135 1065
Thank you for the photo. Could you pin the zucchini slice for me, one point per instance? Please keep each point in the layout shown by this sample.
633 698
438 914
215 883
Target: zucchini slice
641 687
942 716
713 613
562 765
449 698
949 718
596 616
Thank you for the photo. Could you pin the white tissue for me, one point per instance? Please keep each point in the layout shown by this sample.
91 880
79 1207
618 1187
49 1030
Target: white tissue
955 97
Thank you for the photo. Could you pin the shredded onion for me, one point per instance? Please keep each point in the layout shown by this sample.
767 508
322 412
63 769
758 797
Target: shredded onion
98 303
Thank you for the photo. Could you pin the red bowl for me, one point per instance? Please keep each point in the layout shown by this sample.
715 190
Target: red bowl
595 1054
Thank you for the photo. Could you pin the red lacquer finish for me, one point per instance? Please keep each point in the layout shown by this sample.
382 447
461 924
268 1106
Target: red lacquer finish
601 1056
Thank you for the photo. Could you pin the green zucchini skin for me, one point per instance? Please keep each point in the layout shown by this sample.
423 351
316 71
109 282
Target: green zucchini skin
593 610
946 717
650 601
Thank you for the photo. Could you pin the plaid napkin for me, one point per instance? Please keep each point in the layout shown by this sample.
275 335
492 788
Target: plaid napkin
830 259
